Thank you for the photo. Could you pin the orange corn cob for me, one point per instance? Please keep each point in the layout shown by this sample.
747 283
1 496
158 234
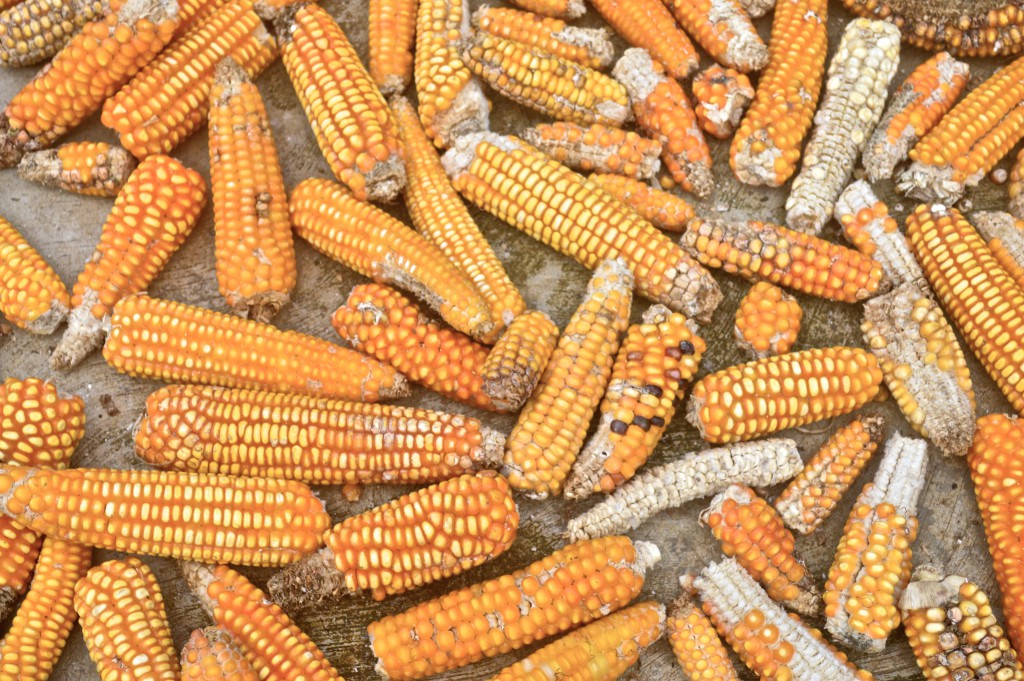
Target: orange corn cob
514 365
662 209
697 648
195 12
813 494
723 28
212 654
767 321
575 585
1016 187
597 148
544 443
351 121
392 40
767 145
1005 237
88 168
663 111
35 30
529 190
723 96
591 47
32 296
768 395
648 24
124 623
151 218
655 360
562 9
255 256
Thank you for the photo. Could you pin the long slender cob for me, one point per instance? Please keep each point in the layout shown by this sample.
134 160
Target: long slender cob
514 365
696 475
916 107
563 9
855 92
34 31
560 208
648 24
767 321
657 357
392 41
88 168
662 209
212 654
767 145
591 47
722 97
597 148
695 644
1015 187
723 28
151 218
1005 237
32 296
575 585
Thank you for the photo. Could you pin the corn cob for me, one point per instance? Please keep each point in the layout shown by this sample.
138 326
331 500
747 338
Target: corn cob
272 643
514 365
696 475
373 243
88 168
392 40
648 24
757 8
351 121
969 140
811 496
554 205
1005 237
91 67
575 585
923 366
601 651
255 256
5 4
122 612
916 107
32 296
767 145
767 321
662 209
979 296
597 148
855 93
761 251
591 47
151 218
1016 187
543 445
195 12
872 563
723 28
664 113
656 359
697 648
212 654
439 214
561 9
723 96
34 31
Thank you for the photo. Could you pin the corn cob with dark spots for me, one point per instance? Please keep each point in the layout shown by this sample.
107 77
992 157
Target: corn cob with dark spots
649 25
722 96
723 28
767 321
88 168
34 31
662 209
212 654
591 47
597 149
32 296
1005 237
514 365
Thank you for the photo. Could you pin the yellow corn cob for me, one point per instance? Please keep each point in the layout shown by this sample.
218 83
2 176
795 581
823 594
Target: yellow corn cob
663 111
554 205
767 145
768 395
544 443
1016 187
255 255
697 648
723 96
591 47
273 644
351 121
514 365
90 68
767 321
597 148
35 30
432 534
662 209
88 168
723 28
979 296
561 9
575 585
655 360
392 40
648 24
1005 237
919 103
151 218
124 623
195 12
811 496
761 251
32 296
212 654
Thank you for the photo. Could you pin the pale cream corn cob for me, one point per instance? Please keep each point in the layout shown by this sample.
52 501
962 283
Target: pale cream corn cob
597 148
722 97
648 24
723 28
88 168
34 31
1005 236
591 47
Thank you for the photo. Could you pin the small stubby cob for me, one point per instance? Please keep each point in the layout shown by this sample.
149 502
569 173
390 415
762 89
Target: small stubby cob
514 365
392 30
655 360
212 654
597 148
695 643
32 296
591 47
34 31
1015 187
1004 235
562 9
648 24
575 585
811 497
723 28
695 475
722 96
662 209
855 92
916 106
767 321
87 168
767 145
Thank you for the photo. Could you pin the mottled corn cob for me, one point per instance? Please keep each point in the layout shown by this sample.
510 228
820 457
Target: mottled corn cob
554 205
124 623
591 47
544 443
723 96
35 30
575 585
1005 237
597 148
757 8
919 103
697 648
979 296
88 168
392 40
351 121
32 296
872 563
696 475
1015 187
663 111
151 218
514 365
212 654
811 496
855 93
767 145
648 24
562 9
656 358
662 209
761 251
723 28
767 321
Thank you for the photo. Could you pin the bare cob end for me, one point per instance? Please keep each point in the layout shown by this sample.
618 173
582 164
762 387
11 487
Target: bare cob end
89 168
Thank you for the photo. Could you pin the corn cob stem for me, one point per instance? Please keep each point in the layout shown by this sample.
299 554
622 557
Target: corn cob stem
697 647
34 31
590 47
660 208
514 365
32 296
648 24
88 168
723 28
767 321
722 96
562 9
392 40
212 654
1005 237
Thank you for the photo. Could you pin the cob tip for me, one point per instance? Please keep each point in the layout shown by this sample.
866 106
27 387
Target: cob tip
311 581
930 183
929 589
199 576
492 448
647 556
84 334
463 151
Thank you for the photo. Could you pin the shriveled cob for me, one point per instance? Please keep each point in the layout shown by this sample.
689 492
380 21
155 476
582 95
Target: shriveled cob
32 296
811 496
695 644
1005 237
591 47
695 475
212 654
767 145
1015 188
648 24
767 321
88 168
919 103
151 218
855 92
392 41
663 111
597 148
554 205
35 30
574 585
662 209
124 623
723 28
563 9
514 365
657 357
723 96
